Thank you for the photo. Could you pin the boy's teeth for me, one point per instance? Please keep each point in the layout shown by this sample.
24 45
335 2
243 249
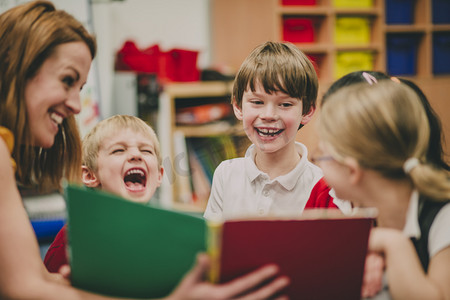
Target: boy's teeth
56 118
268 131
134 171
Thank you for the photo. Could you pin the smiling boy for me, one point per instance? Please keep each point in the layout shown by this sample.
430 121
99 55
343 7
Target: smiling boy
121 155
274 95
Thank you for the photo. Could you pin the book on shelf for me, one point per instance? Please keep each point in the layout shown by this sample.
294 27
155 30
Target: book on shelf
322 252
205 154
211 151
202 114
181 168
202 149
127 249
201 186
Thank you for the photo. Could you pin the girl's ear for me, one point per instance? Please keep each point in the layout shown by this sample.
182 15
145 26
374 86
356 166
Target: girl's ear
395 79
237 110
355 170
89 178
306 118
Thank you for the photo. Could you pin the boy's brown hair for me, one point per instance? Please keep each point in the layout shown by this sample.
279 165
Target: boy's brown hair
278 66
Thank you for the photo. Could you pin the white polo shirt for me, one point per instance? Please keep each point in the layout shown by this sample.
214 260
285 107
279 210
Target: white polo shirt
240 189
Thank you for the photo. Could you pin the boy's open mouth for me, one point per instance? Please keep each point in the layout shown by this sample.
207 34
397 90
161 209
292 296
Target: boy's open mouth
135 179
268 132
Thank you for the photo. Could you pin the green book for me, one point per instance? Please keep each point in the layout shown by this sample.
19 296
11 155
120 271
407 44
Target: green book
126 249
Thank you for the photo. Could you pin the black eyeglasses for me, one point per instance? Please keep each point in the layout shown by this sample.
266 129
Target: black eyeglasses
316 159
317 156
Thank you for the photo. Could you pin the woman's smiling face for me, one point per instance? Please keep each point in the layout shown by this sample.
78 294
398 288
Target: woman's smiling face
53 94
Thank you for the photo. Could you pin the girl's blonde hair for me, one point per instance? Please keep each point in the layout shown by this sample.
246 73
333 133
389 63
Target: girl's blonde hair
110 126
382 126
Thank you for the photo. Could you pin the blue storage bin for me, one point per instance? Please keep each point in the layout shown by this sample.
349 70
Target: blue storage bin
399 11
441 53
46 230
441 11
402 53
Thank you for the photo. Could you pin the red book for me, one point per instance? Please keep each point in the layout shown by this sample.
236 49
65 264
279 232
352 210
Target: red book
322 255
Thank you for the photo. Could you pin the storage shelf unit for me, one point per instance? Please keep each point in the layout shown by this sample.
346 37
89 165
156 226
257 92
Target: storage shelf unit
242 37
238 26
326 18
419 25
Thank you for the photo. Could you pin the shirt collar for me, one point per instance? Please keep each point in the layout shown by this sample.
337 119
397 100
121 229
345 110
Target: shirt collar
344 205
289 180
412 228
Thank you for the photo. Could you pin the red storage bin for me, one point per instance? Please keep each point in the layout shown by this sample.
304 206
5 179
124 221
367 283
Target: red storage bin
179 65
298 30
298 2
130 58
316 60
173 65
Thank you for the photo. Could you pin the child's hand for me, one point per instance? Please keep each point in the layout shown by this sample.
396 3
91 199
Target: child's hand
63 275
383 239
65 272
193 285
373 275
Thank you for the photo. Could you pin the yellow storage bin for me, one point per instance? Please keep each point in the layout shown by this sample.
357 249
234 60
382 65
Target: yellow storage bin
352 31
350 61
353 3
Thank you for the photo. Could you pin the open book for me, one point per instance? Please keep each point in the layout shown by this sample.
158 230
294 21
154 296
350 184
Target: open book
323 253
127 249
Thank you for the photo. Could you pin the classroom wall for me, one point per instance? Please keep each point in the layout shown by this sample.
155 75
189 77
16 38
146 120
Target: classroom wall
168 23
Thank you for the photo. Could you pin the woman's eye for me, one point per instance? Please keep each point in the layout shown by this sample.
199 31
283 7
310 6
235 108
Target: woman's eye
69 81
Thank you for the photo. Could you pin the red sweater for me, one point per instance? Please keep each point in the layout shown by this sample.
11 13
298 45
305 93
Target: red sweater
320 197
56 254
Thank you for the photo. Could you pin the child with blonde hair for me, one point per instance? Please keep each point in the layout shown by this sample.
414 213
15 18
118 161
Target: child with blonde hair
374 141
121 155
